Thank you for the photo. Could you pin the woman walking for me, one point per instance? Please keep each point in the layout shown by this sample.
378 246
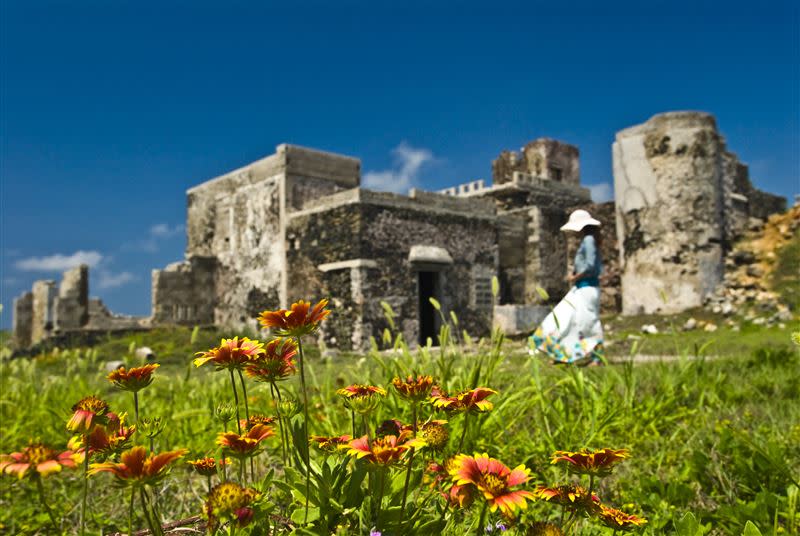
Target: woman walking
572 332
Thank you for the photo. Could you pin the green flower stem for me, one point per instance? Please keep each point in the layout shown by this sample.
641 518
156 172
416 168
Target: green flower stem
236 403
145 511
247 416
277 400
353 421
209 483
43 500
382 475
410 462
305 422
130 511
480 531
85 481
136 407
463 433
154 511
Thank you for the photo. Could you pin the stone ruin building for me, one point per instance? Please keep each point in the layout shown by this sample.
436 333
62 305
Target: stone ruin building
297 225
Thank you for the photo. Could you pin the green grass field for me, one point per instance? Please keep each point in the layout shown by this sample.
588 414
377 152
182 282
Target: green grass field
715 438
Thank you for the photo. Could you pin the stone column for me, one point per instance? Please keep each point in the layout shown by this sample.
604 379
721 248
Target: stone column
44 293
669 195
71 307
22 320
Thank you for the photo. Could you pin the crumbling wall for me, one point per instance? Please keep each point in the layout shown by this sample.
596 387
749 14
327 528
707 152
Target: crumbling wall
44 293
542 158
183 293
23 320
668 185
71 306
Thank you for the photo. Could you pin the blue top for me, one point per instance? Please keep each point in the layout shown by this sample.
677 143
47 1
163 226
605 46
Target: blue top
588 262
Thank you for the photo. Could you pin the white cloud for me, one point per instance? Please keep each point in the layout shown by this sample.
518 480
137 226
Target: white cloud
59 262
404 174
156 234
107 280
601 192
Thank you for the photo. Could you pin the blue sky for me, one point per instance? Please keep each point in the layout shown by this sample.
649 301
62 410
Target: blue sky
111 110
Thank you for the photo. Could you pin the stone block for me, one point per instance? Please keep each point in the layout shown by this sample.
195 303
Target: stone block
516 320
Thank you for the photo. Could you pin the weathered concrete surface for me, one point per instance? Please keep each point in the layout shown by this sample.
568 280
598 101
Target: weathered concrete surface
681 198
668 184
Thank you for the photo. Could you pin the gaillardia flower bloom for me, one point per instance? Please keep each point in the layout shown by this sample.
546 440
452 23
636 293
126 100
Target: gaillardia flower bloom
598 463
276 363
138 469
86 413
570 496
230 502
385 450
248 424
330 443
455 495
36 460
231 354
435 434
300 320
414 389
618 520
208 466
134 379
392 427
247 444
110 438
472 400
494 480
361 398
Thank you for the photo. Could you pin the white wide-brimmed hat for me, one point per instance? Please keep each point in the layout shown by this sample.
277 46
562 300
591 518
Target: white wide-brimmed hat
578 220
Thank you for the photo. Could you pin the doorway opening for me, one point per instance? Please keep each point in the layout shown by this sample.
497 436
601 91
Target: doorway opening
428 285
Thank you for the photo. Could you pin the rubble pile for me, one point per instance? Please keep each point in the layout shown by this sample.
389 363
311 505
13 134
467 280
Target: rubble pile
747 285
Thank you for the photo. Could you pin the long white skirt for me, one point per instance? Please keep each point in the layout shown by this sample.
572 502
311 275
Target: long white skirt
572 332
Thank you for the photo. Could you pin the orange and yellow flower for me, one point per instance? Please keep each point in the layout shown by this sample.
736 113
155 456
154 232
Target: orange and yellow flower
619 520
384 451
229 501
134 379
496 481
110 438
472 400
599 463
301 319
36 460
414 389
570 496
435 434
247 444
255 419
392 427
330 443
276 363
231 354
359 391
208 466
136 468
86 413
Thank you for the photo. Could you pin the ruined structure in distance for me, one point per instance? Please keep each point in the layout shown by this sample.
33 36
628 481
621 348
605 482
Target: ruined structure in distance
297 225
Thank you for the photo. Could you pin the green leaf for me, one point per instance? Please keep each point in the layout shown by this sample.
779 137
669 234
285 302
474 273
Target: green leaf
435 303
688 526
751 530
454 318
495 286
299 515
542 293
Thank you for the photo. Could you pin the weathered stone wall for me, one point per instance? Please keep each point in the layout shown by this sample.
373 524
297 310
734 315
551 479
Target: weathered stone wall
44 293
668 185
541 158
23 320
357 252
103 320
610 293
184 292
71 306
